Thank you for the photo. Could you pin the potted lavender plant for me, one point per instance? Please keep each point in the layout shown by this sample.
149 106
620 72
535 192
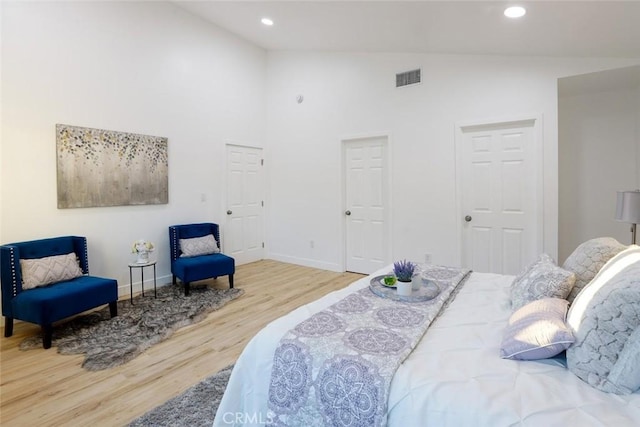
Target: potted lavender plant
404 273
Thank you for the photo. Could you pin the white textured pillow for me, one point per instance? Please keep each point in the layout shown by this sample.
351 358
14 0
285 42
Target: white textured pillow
542 279
204 245
44 271
588 258
605 319
625 374
537 331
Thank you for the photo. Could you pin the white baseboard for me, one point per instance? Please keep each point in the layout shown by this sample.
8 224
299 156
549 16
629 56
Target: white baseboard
306 262
124 289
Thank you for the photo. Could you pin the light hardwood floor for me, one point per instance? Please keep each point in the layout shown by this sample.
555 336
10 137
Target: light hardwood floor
41 387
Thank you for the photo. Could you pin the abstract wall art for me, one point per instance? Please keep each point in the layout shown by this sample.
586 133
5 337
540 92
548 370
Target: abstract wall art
107 168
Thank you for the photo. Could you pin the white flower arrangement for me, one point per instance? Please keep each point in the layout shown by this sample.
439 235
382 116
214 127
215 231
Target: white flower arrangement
140 246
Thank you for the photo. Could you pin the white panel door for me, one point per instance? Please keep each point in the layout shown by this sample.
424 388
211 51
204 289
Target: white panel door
243 235
499 196
366 204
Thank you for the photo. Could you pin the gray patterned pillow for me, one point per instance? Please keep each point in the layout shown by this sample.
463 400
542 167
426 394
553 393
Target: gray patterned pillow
542 279
605 320
588 258
204 245
52 269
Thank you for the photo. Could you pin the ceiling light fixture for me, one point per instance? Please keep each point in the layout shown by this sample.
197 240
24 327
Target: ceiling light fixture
267 21
515 12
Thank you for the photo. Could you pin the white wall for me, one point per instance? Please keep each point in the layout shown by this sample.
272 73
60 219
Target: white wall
141 67
599 148
354 94
638 140
1 115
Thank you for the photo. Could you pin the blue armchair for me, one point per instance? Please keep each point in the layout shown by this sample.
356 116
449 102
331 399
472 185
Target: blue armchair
190 268
46 304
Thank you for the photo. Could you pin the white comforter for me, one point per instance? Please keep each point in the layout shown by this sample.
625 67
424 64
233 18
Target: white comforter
454 377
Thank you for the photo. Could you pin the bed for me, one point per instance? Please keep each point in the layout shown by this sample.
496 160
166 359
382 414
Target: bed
453 377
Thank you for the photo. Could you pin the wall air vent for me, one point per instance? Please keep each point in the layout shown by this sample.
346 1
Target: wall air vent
408 78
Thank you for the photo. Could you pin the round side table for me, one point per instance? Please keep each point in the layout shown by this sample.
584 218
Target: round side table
141 266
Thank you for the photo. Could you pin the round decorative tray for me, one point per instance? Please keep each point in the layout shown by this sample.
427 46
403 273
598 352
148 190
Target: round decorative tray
428 290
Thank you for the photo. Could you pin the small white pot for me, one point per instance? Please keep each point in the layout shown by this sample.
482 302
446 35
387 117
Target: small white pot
143 257
404 288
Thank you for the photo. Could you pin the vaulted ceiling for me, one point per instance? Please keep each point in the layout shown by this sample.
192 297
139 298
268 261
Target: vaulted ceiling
550 28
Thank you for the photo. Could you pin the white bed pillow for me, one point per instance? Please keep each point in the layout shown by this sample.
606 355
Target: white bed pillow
537 331
588 258
605 320
541 279
52 269
204 245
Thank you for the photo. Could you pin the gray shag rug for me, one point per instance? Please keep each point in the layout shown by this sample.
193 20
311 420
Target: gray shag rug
196 407
108 342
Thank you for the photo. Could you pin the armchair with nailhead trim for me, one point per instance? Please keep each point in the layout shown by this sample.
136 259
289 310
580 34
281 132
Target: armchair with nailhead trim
206 261
47 280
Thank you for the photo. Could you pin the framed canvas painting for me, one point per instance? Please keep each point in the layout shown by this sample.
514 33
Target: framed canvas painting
97 167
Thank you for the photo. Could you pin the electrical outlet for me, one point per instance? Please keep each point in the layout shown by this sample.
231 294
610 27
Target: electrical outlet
427 258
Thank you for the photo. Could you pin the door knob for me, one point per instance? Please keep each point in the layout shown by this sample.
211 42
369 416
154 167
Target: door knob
347 213
229 212
468 218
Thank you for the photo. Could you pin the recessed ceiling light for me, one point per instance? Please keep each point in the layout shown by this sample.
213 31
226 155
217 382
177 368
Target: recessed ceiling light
515 12
267 21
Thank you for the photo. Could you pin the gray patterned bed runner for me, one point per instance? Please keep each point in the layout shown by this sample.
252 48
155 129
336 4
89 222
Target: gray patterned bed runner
335 368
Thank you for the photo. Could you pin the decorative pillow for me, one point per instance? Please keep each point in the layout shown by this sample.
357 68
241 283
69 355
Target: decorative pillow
625 373
605 319
47 270
588 258
537 331
542 279
204 245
